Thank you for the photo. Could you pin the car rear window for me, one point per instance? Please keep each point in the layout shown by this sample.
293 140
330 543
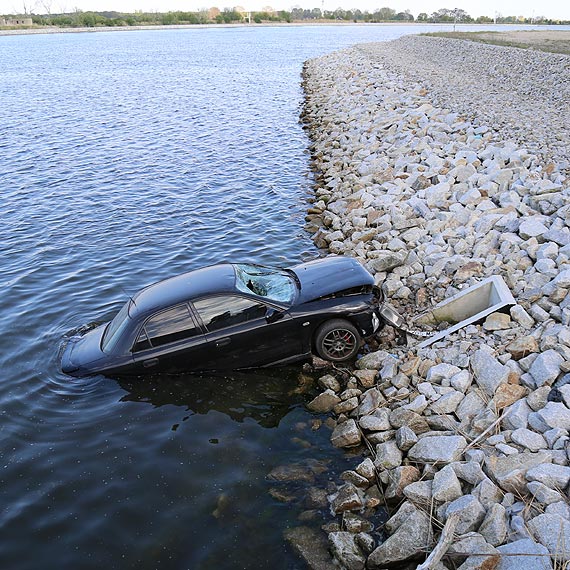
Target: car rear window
274 284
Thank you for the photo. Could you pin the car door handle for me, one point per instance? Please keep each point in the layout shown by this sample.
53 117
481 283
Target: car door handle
150 363
223 341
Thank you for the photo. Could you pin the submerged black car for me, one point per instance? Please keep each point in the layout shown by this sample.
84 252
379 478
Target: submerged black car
233 316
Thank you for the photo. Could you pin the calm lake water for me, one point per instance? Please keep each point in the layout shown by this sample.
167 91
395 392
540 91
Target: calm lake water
126 158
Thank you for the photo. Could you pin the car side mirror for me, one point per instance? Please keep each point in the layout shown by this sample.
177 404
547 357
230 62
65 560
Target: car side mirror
273 315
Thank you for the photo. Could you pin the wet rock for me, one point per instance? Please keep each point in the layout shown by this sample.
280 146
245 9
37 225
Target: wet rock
311 546
440 449
409 539
292 472
346 550
324 402
347 498
346 434
329 382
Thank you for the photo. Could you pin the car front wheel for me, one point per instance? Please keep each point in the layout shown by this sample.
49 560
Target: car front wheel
337 340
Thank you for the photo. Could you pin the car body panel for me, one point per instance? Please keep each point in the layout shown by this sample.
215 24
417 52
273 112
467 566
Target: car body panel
261 333
340 273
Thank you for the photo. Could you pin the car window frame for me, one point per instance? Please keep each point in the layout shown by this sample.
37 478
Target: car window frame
197 325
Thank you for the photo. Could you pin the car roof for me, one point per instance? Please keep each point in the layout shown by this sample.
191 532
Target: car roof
191 285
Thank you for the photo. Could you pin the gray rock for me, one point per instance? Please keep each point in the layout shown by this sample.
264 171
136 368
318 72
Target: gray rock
440 449
543 494
553 532
411 537
399 479
441 372
387 260
448 403
419 492
555 415
366 469
521 317
415 422
532 227
346 434
346 550
371 400
546 368
560 508
524 554
470 471
510 472
377 421
471 513
552 475
372 360
487 493
488 371
405 438
494 526
517 415
529 439
446 486
388 456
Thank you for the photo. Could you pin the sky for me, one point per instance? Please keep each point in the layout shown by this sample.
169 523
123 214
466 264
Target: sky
556 9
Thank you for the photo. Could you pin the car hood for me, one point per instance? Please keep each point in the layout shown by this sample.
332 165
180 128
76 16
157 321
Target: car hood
329 275
81 352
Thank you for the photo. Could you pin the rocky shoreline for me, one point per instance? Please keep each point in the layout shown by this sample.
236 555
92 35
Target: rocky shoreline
435 183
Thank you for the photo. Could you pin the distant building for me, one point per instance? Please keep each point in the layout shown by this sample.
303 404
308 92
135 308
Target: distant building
17 21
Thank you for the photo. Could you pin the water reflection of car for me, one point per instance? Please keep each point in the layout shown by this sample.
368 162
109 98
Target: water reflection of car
233 316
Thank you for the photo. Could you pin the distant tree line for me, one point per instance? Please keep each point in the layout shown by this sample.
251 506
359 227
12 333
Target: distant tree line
230 15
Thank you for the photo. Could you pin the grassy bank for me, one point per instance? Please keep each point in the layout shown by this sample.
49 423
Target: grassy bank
554 41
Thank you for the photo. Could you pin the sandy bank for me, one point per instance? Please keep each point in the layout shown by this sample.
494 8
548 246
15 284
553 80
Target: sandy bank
440 163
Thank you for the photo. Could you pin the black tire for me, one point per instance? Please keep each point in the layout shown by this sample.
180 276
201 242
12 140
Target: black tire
337 340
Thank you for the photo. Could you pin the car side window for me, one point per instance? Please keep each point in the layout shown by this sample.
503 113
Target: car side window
222 312
166 327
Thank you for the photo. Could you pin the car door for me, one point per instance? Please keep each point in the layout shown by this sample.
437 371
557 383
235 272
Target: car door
170 341
244 332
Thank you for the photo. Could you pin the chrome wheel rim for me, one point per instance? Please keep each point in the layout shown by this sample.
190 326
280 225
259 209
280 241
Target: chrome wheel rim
339 343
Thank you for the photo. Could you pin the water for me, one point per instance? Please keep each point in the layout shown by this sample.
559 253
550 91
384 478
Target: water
126 158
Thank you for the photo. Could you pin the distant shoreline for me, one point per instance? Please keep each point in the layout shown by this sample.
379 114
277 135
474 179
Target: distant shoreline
58 30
